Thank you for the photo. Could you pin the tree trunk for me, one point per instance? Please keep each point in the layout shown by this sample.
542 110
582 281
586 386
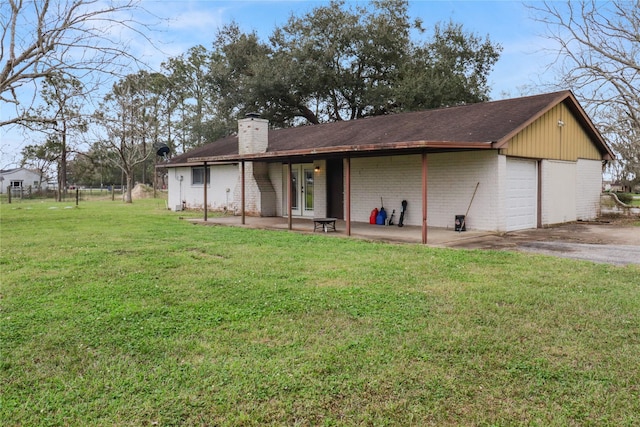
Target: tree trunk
127 194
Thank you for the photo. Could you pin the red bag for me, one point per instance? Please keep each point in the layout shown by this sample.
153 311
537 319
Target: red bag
374 215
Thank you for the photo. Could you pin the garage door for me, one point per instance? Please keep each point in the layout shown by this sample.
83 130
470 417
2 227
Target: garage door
522 194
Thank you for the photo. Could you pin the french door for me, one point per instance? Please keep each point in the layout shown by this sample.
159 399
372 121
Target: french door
301 189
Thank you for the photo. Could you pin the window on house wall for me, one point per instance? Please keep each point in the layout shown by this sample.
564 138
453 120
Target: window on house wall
197 175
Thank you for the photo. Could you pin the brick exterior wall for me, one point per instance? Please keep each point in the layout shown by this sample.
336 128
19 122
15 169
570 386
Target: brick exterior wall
559 192
253 136
222 177
589 188
452 178
260 196
569 190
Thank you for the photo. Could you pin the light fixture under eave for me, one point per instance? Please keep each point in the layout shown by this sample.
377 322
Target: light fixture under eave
317 169
560 123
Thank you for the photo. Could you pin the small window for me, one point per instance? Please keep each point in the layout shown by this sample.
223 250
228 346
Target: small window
197 176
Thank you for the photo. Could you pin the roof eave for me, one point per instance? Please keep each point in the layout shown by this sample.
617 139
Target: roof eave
190 163
360 149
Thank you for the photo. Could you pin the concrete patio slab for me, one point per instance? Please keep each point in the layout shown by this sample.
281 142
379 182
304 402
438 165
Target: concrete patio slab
360 230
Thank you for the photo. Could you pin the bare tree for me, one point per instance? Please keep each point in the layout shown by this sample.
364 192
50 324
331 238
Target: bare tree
63 100
598 54
122 116
63 37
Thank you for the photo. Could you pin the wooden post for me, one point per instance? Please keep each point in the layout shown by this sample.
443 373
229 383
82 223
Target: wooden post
205 191
289 194
242 191
424 198
77 195
348 194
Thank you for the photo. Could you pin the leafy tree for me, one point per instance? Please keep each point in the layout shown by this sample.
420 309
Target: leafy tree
42 157
339 63
94 169
189 74
450 70
598 49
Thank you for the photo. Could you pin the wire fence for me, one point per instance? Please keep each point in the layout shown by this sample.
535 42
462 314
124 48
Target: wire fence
16 194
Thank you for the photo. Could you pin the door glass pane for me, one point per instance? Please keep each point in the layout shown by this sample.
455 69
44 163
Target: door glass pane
308 189
294 189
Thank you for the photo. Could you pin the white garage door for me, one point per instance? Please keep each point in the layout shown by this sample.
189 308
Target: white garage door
522 194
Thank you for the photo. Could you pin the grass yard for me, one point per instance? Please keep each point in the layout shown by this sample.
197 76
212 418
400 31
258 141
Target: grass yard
124 315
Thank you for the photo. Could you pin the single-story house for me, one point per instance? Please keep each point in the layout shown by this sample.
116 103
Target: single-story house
512 164
20 180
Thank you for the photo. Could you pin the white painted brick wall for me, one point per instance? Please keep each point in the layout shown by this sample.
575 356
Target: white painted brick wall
222 177
589 188
277 176
252 194
559 192
394 178
499 201
253 135
451 178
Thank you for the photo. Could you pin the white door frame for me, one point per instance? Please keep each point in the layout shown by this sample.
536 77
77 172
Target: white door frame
302 189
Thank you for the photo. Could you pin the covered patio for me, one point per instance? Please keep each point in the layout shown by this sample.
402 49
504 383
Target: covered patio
360 230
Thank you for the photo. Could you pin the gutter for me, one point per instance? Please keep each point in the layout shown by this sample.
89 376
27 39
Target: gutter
360 149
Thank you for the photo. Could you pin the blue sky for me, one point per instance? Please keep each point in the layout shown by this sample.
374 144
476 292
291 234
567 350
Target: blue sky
521 70
508 23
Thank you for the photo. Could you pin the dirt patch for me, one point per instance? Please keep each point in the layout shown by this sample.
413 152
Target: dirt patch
141 191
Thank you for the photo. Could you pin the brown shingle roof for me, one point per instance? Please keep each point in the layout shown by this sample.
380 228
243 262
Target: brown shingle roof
482 125
227 146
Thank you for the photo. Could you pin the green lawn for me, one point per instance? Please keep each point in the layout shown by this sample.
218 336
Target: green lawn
125 315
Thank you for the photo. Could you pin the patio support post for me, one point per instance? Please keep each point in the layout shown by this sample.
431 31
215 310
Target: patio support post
348 194
424 198
205 191
242 191
289 194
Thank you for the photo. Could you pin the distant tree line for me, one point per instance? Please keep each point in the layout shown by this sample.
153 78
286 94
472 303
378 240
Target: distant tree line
340 61
337 62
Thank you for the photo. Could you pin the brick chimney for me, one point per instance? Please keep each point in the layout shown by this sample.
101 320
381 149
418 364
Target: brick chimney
253 134
253 138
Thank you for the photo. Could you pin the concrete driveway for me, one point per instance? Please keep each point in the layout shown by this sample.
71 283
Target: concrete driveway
611 241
